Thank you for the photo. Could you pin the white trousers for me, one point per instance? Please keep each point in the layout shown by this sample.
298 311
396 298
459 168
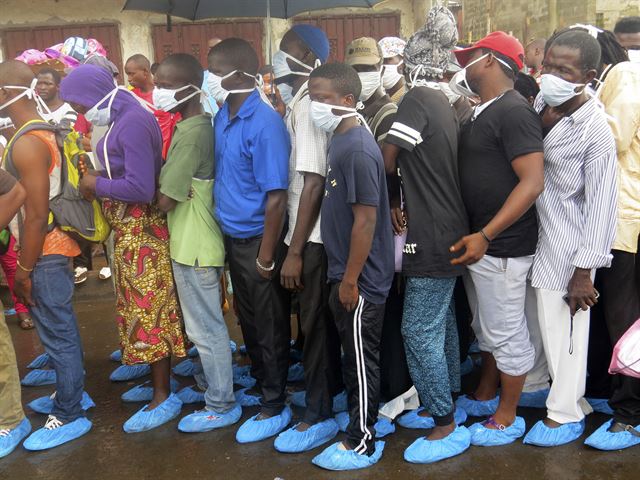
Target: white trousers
497 300
566 355
538 376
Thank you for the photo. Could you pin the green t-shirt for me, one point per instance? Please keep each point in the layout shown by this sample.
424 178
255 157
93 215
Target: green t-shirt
187 178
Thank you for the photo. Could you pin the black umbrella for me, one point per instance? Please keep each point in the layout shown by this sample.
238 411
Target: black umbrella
204 9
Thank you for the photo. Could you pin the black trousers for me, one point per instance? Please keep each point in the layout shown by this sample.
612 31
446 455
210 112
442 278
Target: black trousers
264 310
620 290
85 259
321 352
360 333
394 372
463 318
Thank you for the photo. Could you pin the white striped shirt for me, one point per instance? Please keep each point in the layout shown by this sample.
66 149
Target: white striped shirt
577 210
308 155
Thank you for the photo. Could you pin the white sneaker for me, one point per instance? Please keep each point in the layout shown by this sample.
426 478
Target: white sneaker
105 273
80 274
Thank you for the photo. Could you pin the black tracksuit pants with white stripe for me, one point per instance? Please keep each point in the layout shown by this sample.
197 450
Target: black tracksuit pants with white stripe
360 333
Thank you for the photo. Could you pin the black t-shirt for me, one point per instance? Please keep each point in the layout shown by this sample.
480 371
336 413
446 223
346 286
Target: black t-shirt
356 175
506 130
426 130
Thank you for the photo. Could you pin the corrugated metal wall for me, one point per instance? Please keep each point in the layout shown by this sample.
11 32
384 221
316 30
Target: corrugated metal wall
342 29
192 37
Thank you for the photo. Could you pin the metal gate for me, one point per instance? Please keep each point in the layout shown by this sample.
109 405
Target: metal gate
343 29
192 37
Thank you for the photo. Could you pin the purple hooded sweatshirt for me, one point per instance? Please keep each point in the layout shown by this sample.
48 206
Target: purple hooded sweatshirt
135 143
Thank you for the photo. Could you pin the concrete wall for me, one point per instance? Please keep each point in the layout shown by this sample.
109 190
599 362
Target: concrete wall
611 10
527 19
135 31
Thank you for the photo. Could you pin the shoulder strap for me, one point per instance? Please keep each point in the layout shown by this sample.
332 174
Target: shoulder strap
7 160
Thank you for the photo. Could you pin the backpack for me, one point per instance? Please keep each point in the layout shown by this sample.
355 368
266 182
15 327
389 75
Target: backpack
68 209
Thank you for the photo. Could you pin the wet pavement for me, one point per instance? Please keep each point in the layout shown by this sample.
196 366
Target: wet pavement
107 452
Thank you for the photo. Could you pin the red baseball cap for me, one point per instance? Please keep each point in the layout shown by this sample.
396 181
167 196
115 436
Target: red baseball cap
500 42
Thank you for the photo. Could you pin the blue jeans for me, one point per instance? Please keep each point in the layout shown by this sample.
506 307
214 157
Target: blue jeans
55 321
199 294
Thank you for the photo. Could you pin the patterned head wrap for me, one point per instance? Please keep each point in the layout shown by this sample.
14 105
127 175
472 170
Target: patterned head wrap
427 52
392 47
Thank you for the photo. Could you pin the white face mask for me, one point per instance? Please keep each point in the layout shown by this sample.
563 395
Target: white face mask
286 93
459 84
391 76
281 66
370 84
557 91
165 99
325 119
218 92
102 117
451 96
634 55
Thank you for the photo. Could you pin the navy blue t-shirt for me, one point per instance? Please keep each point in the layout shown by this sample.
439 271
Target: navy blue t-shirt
356 175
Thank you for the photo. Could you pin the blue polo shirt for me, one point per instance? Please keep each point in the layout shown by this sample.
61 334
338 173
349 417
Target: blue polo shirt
252 158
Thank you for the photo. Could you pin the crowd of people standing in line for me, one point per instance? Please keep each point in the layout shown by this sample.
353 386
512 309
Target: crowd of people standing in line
402 184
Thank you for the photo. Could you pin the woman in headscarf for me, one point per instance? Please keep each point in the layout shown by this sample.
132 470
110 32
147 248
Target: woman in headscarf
435 218
147 312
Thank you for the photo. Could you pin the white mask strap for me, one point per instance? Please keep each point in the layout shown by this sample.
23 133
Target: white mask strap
28 92
303 65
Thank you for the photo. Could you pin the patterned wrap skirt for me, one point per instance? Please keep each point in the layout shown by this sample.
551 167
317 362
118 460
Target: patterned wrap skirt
148 315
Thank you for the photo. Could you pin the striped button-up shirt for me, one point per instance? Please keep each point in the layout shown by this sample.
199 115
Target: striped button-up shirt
577 210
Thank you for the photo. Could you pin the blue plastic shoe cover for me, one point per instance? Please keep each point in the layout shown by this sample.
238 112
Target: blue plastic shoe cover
427 451
600 405
193 352
55 433
38 377
191 395
296 373
543 436
41 361
187 368
10 439
44 404
413 419
245 399
603 439
478 408
255 430
482 436
384 427
293 441
207 420
116 356
144 419
124 373
336 458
